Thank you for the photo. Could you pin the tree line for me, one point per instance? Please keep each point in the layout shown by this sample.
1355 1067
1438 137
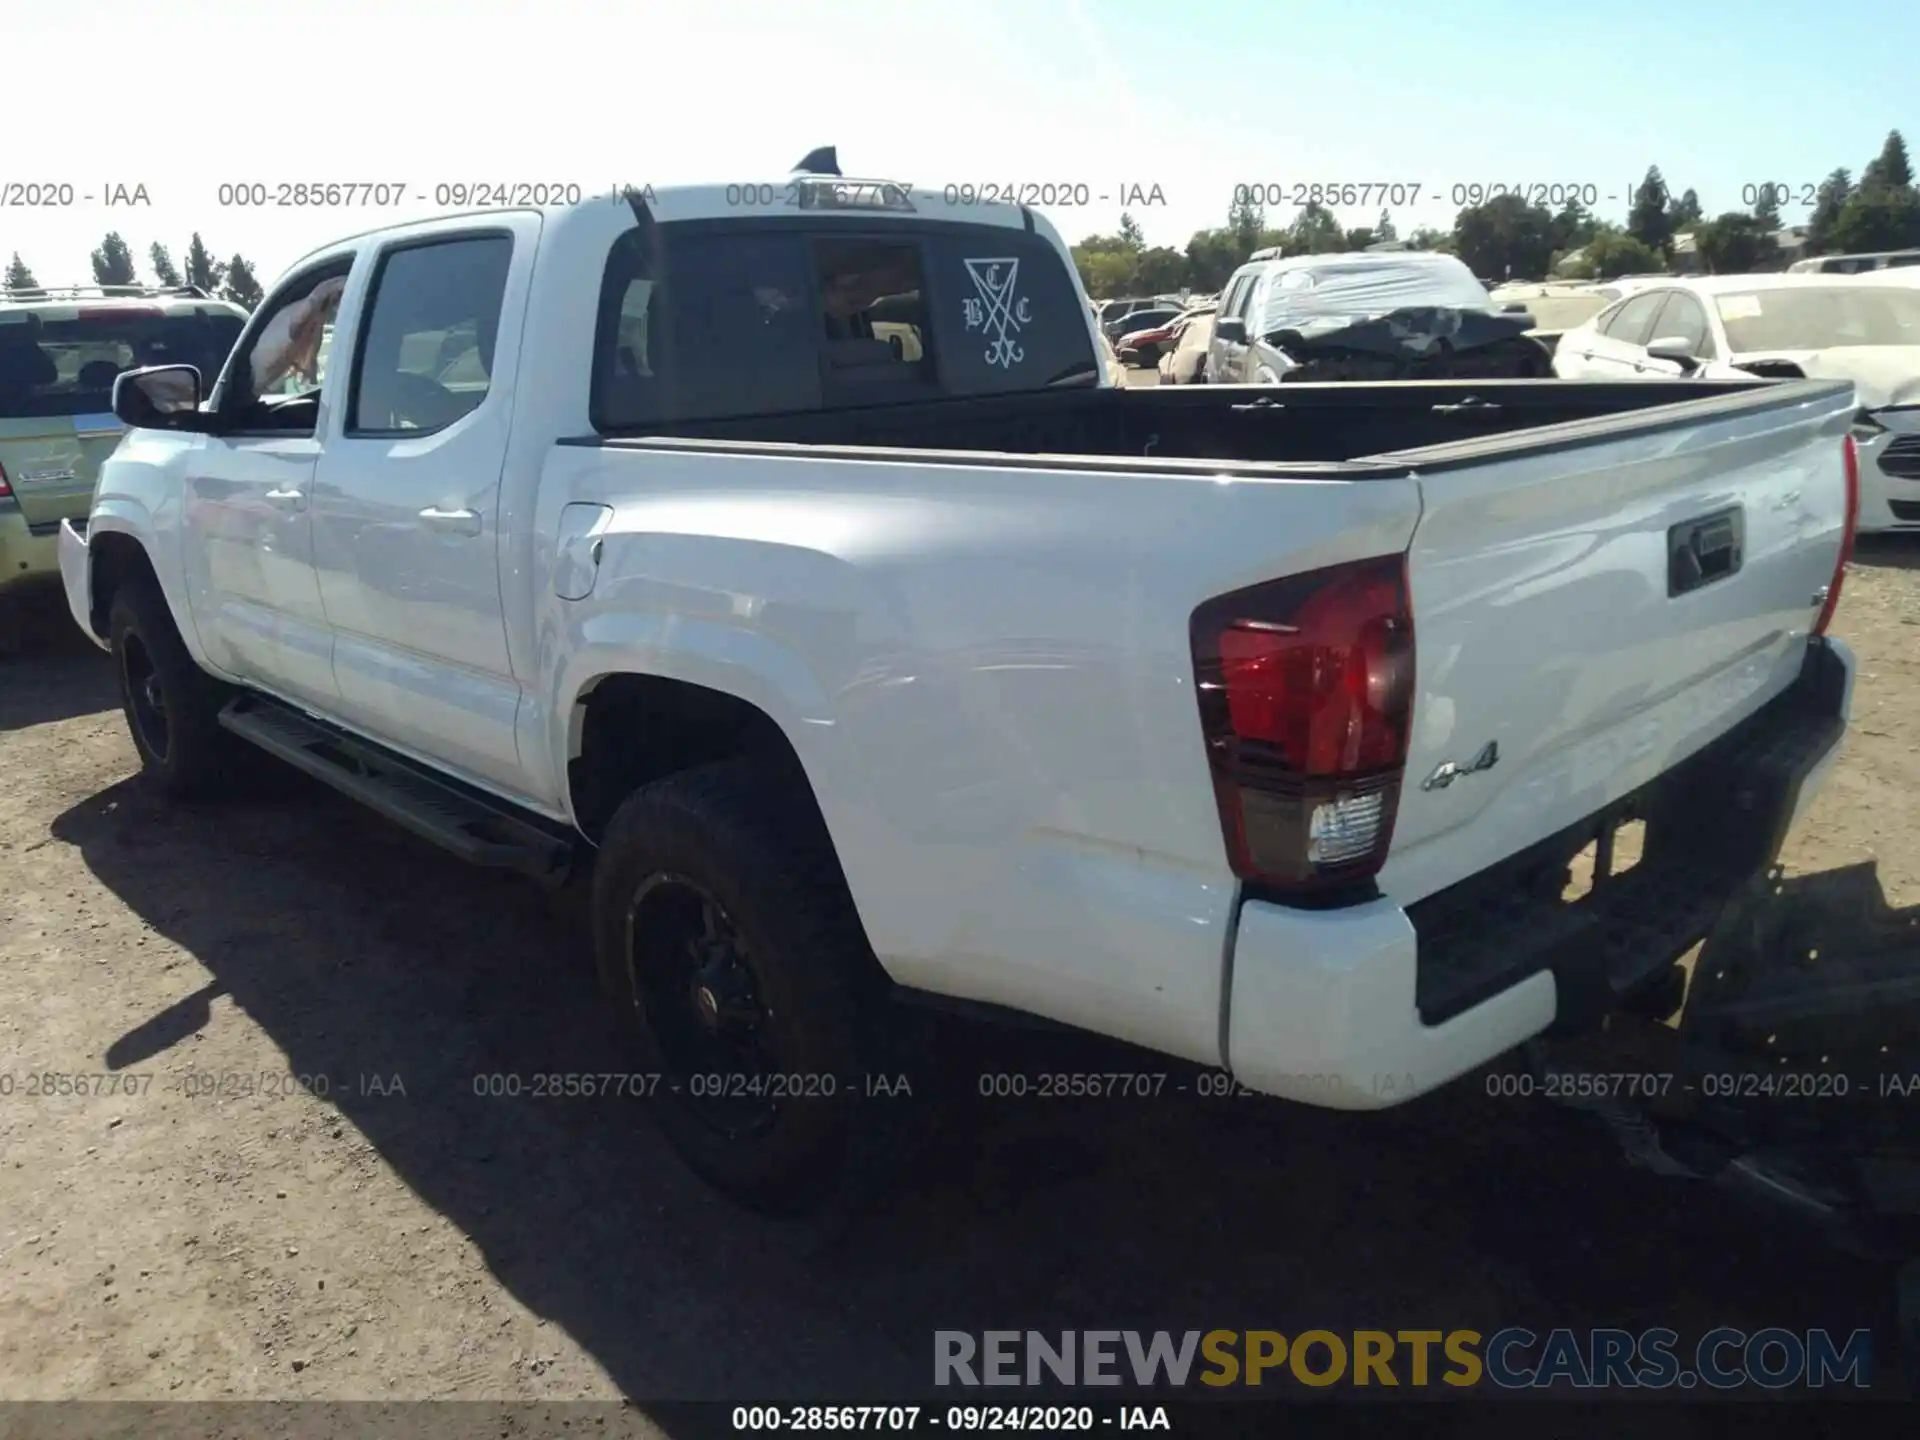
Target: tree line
113 264
1507 238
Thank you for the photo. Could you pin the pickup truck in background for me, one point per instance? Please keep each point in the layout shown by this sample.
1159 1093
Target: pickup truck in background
857 659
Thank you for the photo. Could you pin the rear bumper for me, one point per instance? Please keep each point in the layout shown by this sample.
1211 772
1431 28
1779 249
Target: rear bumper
77 578
1365 1006
29 554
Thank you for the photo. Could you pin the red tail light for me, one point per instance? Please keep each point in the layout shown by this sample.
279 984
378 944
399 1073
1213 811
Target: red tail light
5 488
108 314
1852 453
1306 694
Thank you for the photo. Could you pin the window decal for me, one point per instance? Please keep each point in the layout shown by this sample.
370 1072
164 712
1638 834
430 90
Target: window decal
996 310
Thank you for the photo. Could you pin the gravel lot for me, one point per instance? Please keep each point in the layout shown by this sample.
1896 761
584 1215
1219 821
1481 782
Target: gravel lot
402 1237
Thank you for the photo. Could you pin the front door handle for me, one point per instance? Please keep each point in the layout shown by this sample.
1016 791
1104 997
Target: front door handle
453 522
292 499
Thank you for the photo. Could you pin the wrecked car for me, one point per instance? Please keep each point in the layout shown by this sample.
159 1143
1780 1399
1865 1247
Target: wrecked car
1397 315
1782 327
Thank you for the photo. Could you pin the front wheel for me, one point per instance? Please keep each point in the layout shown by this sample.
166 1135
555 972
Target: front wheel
723 931
172 705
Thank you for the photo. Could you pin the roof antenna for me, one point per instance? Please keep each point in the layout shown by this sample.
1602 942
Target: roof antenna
823 161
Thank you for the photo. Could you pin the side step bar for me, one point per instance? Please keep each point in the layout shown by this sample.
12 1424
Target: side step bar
479 830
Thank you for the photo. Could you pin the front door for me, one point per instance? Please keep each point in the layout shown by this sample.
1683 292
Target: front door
248 493
1618 352
407 498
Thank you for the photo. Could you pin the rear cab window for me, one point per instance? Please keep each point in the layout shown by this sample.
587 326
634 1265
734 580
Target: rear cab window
721 320
59 360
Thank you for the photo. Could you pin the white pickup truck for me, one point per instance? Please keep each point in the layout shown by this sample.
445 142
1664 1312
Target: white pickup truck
777 553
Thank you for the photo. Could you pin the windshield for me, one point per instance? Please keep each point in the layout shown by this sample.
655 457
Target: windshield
1822 318
64 362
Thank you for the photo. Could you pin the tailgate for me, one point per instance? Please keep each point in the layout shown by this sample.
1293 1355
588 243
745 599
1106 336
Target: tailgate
1553 624
52 461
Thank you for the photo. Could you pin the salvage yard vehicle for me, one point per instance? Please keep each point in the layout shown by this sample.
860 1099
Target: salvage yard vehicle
1145 346
1185 363
1782 327
1259 734
1555 307
1855 264
1154 317
1389 315
60 352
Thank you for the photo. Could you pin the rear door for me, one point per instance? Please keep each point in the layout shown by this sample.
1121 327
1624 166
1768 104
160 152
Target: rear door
1549 624
57 368
406 511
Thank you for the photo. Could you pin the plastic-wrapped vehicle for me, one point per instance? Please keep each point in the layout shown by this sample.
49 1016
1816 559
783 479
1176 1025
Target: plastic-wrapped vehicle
1402 315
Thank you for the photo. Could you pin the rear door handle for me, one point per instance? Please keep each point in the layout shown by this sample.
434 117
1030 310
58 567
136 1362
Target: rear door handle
453 522
293 499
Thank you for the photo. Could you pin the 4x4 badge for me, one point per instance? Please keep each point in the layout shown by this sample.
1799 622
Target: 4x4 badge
1446 772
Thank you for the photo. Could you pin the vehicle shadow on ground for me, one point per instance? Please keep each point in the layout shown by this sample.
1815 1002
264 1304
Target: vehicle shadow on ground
361 951
55 674
1887 552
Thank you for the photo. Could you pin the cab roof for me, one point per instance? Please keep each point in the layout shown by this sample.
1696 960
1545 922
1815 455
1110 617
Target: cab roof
770 198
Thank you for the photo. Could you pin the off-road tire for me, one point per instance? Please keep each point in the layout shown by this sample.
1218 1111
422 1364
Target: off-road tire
737 831
191 757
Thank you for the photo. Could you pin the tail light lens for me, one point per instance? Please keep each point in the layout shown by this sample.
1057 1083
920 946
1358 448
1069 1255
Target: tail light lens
1852 453
1306 694
5 488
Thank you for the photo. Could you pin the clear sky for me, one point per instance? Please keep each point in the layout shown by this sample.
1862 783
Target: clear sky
1190 96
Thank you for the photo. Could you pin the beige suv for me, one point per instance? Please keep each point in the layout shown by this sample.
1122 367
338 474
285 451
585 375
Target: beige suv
60 352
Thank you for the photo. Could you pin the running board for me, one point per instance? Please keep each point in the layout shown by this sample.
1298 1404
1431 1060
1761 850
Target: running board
478 830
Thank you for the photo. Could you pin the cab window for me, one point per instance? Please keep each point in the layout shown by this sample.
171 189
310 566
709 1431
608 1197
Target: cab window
278 377
1632 323
425 356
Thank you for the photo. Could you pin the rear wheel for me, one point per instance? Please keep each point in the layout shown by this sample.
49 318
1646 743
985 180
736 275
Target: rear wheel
723 931
172 705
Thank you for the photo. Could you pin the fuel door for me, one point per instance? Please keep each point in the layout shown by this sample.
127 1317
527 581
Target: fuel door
576 556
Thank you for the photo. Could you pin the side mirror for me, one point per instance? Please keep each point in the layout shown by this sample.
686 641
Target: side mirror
1677 349
1233 328
160 397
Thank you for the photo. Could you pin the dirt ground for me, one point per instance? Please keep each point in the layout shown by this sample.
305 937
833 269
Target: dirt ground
377 1229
